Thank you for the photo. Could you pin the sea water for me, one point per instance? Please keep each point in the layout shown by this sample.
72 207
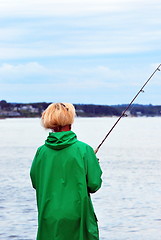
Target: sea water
128 206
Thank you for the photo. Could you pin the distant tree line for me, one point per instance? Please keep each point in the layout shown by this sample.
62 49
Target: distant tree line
91 110
141 110
82 110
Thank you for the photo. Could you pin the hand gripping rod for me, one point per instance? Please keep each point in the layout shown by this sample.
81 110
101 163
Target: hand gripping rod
123 113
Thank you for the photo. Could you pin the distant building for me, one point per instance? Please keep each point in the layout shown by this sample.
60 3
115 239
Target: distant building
139 114
9 114
29 108
127 113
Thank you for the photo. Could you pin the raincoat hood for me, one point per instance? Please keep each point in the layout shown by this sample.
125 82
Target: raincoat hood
60 140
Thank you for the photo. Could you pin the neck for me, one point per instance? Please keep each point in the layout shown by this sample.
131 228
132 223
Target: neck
65 128
62 129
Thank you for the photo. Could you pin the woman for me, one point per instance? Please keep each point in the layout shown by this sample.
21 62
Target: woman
64 172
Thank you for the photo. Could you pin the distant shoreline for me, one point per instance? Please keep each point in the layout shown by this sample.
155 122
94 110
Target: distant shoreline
33 110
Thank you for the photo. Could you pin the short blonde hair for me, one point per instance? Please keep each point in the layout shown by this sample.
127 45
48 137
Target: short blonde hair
58 115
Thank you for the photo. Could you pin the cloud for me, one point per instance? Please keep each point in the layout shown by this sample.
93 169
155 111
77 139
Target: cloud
52 28
60 7
79 77
88 46
27 73
68 7
99 84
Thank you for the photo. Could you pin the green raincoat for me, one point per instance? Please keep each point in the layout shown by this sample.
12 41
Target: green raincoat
64 172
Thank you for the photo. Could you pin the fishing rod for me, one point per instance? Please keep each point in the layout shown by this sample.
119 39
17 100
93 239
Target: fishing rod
123 113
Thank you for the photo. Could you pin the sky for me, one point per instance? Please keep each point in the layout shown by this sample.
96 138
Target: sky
80 51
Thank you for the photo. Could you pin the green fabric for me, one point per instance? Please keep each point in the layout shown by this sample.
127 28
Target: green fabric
64 172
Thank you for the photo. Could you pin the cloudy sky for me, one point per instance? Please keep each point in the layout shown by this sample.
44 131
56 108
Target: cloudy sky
80 51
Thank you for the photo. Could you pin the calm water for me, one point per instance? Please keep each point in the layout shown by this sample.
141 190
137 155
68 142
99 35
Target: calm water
128 205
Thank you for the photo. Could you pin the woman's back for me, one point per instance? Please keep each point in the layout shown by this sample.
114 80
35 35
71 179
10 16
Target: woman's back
64 172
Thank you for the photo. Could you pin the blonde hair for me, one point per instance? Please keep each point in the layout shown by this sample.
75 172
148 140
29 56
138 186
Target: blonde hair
58 115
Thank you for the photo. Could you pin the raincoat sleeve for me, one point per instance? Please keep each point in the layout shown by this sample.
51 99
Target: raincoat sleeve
94 171
33 170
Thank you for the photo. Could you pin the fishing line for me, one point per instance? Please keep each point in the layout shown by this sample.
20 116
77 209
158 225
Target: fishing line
124 112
